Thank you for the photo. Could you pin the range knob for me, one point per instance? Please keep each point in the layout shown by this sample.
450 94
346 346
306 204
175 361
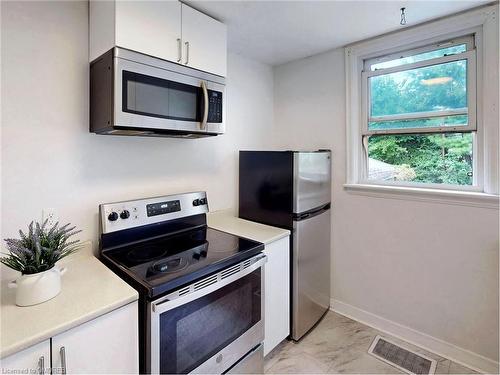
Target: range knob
124 214
113 216
203 201
196 202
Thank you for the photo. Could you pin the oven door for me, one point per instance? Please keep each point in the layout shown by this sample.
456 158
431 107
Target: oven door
208 326
148 97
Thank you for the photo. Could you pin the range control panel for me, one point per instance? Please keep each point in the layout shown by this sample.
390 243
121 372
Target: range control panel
135 213
162 208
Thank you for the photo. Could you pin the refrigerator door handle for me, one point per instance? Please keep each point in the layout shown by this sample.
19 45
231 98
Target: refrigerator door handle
311 213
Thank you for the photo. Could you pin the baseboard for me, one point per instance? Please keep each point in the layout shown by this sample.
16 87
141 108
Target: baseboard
444 349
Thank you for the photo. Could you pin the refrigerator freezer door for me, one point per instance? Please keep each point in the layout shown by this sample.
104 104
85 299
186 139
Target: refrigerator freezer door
311 180
266 187
310 272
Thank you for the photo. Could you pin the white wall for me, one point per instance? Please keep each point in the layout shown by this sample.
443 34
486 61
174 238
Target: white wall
49 158
428 266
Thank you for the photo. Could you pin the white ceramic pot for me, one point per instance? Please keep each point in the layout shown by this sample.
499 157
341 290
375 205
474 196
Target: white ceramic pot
38 287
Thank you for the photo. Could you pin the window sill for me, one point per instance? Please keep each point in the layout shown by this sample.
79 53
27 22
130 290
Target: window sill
461 198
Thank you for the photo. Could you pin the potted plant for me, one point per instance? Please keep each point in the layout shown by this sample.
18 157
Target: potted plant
35 255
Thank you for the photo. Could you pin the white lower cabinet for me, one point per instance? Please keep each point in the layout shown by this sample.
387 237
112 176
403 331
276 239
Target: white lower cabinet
108 344
34 360
277 293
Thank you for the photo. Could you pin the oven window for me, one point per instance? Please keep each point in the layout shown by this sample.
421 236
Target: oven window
192 333
156 97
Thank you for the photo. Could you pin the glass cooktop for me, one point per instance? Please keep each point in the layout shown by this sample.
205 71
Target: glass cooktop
163 264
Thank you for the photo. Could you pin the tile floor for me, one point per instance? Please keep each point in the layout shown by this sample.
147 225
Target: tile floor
339 345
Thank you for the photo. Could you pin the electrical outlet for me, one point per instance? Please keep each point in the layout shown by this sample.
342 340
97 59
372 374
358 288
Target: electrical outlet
51 215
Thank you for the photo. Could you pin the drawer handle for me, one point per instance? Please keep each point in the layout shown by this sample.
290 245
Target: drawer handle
62 352
41 365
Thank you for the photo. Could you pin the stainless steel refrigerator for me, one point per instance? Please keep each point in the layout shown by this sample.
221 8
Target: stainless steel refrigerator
292 190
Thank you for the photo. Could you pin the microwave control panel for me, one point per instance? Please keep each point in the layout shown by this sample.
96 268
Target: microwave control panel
214 106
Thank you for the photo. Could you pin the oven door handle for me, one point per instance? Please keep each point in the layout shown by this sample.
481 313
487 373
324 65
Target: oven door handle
206 104
173 300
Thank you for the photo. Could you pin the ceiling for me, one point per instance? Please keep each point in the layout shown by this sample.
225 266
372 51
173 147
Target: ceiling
275 32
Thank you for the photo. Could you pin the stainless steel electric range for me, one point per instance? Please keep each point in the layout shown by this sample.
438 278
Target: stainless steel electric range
201 305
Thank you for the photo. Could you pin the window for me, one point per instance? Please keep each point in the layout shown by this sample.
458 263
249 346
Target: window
419 116
434 135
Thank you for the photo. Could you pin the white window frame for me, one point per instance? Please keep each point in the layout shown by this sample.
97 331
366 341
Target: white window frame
483 25
470 110
467 40
470 56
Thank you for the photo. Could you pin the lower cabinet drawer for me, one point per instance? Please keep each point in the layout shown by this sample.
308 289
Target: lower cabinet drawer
252 363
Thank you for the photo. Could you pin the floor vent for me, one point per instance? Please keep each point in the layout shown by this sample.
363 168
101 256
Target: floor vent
401 358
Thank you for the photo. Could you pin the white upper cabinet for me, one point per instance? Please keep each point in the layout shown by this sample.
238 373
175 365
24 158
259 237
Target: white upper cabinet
163 28
204 42
150 27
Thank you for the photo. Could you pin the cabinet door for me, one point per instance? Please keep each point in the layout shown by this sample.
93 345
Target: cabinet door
206 37
29 361
107 344
101 27
277 293
151 27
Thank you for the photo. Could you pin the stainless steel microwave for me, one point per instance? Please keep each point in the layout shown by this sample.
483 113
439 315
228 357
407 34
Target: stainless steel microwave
135 94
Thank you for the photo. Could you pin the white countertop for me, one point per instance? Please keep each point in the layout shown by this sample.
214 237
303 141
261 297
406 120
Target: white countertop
226 221
89 289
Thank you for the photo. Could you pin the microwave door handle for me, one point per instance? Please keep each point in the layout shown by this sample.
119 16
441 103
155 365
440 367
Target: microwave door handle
205 105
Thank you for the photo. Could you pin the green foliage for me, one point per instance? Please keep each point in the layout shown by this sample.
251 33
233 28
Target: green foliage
412 90
435 158
40 248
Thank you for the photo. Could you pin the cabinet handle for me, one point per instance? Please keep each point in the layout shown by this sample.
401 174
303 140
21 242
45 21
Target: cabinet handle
187 53
62 352
41 365
179 50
